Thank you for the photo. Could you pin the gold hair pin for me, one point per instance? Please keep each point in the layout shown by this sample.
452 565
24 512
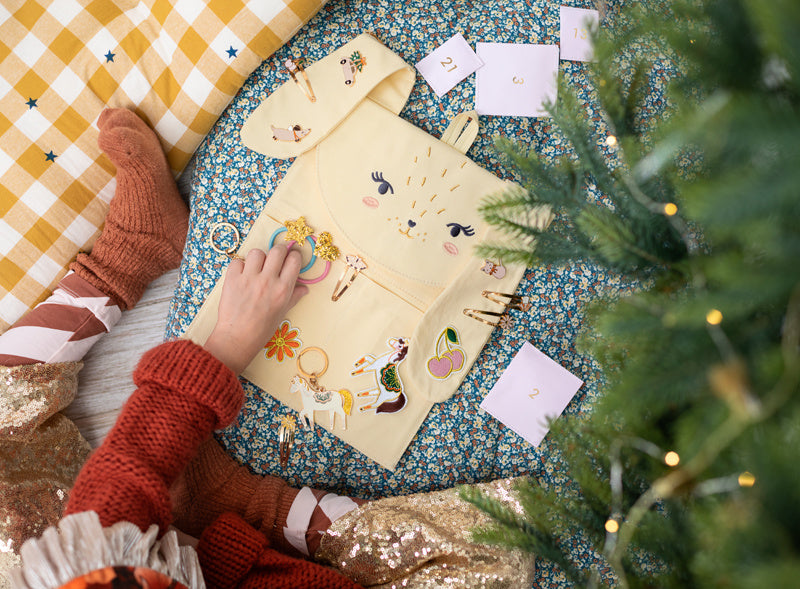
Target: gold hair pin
353 266
509 301
286 438
480 315
295 66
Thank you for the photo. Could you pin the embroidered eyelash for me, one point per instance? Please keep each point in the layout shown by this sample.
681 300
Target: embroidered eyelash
456 228
383 186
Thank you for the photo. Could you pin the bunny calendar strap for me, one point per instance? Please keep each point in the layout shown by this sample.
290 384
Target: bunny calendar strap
462 131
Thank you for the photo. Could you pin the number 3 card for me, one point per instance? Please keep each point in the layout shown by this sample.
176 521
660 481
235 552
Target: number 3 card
448 64
517 79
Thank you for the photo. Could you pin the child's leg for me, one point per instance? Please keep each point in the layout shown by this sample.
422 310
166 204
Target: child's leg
147 221
143 236
292 520
61 329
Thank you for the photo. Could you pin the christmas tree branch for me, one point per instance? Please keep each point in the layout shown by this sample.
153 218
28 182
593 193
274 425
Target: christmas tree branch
718 440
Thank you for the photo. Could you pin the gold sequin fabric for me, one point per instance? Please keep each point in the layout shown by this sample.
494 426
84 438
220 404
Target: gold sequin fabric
41 453
30 394
424 541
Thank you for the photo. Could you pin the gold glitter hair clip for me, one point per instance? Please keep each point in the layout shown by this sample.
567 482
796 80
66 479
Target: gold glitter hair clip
297 231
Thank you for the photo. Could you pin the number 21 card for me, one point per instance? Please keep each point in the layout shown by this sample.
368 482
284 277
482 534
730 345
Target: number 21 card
517 79
448 64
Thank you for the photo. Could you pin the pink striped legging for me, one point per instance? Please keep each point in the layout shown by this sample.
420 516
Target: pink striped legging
62 328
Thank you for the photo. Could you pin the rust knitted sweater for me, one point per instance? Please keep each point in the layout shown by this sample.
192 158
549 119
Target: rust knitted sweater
183 395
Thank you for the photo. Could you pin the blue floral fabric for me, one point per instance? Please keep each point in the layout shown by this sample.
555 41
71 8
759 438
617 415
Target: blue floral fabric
457 443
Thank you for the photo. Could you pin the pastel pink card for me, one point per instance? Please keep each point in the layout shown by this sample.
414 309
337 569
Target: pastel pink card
576 27
516 80
532 389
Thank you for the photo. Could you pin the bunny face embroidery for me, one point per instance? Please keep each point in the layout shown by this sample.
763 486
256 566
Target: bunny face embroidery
410 221
409 207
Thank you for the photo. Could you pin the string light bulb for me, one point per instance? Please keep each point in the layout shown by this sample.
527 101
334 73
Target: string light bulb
671 458
714 317
612 526
747 479
611 140
670 209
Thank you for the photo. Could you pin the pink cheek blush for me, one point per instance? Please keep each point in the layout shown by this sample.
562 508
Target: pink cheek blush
450 248
370 201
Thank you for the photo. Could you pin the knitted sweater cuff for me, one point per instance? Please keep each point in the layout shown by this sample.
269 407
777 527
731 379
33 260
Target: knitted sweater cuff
184 366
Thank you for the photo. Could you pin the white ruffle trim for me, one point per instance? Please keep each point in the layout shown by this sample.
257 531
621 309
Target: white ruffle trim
81 545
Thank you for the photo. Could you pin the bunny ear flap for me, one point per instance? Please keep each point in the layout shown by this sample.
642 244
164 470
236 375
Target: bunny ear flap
289 122
448 341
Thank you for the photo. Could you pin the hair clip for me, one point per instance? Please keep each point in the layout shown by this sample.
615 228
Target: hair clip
295 66
479 315
297 232
286 438
229 251
353 266
509 301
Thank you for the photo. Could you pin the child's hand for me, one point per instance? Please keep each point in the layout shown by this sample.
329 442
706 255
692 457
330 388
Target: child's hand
256 295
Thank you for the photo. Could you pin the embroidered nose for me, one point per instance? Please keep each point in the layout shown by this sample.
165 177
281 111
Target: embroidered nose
411 223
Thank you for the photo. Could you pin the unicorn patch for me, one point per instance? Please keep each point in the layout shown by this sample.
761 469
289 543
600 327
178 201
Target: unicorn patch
335 402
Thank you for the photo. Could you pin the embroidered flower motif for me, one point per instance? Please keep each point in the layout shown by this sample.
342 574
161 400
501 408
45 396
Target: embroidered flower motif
325 248
284 343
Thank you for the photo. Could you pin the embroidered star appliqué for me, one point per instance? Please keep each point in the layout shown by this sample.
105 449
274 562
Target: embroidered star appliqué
109 56
51 157
231 51
32 103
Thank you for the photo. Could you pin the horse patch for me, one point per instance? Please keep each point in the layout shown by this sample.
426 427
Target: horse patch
388 388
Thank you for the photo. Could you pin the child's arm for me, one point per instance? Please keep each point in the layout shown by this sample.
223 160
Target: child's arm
184 393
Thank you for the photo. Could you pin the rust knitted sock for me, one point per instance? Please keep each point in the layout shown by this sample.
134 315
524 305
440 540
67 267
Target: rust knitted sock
147 220
214 483
233 554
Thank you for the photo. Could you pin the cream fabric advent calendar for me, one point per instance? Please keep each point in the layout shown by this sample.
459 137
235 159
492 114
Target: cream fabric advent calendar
400 207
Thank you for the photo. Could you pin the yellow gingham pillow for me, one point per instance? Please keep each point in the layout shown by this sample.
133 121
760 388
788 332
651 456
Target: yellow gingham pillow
177 63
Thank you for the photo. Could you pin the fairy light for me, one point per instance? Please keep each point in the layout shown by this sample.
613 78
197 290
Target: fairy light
747 479
714 317
671 458
670 209
612 526
611 140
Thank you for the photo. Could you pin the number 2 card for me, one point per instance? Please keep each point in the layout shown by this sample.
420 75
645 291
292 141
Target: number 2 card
517 79
533 389
448 64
